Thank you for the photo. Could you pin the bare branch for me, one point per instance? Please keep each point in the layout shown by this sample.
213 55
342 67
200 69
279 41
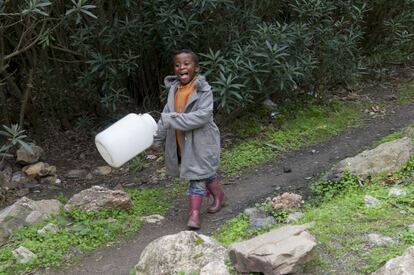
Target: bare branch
17 52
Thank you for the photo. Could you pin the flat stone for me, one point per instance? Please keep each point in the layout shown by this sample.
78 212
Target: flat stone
153 218
396 192
379 240
34 169
281 251
102 171
75 174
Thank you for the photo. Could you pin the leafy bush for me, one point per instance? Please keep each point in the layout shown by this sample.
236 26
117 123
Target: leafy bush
14 136
84 53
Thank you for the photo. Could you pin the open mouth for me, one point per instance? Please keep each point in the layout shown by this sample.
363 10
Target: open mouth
184 76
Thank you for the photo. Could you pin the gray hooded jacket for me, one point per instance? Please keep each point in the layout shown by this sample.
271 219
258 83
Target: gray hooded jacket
201 152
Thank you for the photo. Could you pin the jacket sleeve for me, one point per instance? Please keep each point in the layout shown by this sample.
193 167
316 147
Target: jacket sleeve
194 119
161 134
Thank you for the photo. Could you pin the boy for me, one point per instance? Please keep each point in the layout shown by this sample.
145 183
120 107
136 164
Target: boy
192 139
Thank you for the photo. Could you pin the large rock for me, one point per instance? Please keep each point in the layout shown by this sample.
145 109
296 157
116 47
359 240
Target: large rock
23 156
281 251
387 157
186 252
402 265
25 212
98 198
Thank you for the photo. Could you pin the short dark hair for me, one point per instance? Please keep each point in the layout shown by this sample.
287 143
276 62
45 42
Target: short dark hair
193 55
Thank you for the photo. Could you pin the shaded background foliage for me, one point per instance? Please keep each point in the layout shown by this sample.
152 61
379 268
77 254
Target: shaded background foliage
73 64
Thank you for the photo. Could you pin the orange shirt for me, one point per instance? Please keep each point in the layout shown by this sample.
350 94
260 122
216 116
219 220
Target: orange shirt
180 101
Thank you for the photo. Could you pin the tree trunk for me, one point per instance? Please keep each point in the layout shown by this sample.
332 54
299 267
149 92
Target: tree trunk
26 97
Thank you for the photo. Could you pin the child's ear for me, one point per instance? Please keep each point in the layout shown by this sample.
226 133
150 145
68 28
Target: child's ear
197 69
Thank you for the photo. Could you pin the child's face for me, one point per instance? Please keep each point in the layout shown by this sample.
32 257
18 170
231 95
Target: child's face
185 67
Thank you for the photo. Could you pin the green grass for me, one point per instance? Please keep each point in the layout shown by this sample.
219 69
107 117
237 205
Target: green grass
80 231
407 94
309 125
341 228
393 136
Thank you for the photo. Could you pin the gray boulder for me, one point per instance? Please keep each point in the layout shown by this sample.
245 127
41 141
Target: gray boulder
402 265
281 251
98 198
25 212
386 158
186 252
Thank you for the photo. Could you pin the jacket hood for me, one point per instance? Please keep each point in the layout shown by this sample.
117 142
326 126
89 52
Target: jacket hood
201 83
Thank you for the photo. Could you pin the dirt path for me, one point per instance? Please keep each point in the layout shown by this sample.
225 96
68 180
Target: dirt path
252 186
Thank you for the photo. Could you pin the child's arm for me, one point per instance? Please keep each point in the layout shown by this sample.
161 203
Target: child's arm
192 120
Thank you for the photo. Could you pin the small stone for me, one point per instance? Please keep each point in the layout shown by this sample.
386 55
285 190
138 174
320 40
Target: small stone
270 104
396 192
153 218
22 192
102 171
371 202
262 223
287 169
294 217
34 169
254 213
50 228
74 174
151 157
23 255
18 179
111 220
50 180
379 240
48 170
33 185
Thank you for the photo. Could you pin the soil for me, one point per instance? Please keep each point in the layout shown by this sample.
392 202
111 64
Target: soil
292 172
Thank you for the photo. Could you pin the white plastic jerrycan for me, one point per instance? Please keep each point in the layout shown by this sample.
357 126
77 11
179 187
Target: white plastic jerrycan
126 138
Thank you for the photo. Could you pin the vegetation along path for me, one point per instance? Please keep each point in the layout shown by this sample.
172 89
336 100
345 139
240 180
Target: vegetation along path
293 172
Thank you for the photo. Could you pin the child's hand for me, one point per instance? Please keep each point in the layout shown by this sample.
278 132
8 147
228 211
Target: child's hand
165 118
